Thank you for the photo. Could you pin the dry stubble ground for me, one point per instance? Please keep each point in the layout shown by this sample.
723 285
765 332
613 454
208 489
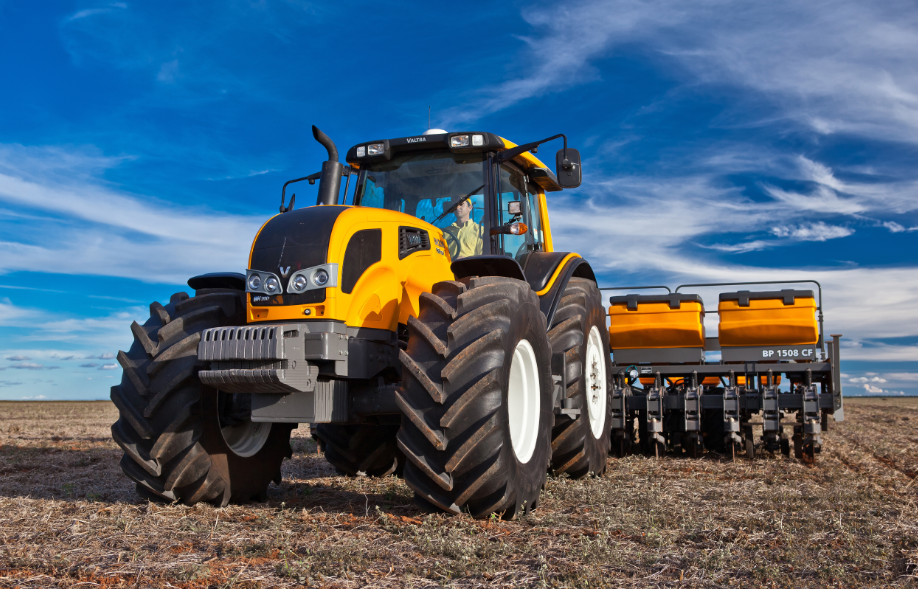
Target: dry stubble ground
68 517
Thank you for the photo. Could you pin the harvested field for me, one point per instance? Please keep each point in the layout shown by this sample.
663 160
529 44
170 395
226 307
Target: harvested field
70 518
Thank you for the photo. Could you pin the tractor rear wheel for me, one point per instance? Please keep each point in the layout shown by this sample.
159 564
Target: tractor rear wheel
361 450
580 445
184 441
476 398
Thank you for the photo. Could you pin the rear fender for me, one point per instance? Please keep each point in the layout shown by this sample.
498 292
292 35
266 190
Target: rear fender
564 267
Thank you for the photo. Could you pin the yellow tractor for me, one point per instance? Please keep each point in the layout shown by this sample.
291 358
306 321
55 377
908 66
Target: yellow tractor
425 328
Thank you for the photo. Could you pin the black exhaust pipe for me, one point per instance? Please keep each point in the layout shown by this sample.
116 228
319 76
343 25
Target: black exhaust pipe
330 180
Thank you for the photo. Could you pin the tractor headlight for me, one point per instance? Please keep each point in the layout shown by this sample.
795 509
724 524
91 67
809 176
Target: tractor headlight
477 140
459 141
316 277
254 282
361 151
376 148
272 285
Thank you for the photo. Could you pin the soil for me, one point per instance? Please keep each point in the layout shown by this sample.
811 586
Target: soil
69 517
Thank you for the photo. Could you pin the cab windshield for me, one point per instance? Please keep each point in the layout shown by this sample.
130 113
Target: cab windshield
443 188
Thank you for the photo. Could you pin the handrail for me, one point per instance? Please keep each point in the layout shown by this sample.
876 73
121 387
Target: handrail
635 288
822 339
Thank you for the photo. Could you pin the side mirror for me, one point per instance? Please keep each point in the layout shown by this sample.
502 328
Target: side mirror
568 169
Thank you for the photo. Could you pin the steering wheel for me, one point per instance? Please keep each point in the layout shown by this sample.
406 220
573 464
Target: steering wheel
522 250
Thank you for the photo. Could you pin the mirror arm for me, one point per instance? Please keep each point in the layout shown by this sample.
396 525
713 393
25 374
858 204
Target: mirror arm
312 180
348 171
515 151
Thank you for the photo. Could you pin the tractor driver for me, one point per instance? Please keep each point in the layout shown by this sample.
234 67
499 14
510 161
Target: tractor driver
465 236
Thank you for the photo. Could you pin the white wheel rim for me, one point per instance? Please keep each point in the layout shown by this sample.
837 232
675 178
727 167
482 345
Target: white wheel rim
523 401
596 383
247 439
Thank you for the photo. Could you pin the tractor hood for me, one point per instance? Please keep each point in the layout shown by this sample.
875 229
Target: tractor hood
293 241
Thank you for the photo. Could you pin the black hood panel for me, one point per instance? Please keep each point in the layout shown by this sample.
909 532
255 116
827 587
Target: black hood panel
298 239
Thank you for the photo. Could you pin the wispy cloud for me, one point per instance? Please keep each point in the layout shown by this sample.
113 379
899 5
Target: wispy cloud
113 229
837 68
812 232
88 12
32 366
864 380
821 200
18 358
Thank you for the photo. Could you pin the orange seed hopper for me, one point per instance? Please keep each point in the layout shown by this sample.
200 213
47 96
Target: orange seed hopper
656 321
786 317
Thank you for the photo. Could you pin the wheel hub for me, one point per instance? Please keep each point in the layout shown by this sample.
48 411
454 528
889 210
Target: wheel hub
523 401
243 436
596 383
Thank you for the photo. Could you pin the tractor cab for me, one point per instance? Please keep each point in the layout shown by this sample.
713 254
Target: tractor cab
464 184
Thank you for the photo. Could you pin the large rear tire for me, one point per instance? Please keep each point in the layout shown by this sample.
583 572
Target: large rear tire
361 450
476 398
184 441
580 445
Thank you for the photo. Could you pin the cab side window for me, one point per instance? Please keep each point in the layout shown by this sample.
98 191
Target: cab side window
513 188
535 216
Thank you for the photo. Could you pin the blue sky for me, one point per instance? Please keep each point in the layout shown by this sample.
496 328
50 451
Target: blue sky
143 143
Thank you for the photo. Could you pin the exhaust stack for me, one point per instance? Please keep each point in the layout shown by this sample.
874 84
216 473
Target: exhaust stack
330 180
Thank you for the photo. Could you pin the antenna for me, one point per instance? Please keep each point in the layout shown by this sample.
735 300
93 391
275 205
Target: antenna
428 118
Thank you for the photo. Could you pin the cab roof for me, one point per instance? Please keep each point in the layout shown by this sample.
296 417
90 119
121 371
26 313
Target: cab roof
385 149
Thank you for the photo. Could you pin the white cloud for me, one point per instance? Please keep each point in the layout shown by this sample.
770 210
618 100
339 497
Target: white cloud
909 377
742 248
10 313
838 67
110 229
812 232
872 390
894 227
110 331
40 178
821 200
852 350
108 367
18 358
32 366
87 12
864 379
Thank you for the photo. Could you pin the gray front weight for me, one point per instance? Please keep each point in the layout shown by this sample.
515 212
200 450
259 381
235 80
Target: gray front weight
258 359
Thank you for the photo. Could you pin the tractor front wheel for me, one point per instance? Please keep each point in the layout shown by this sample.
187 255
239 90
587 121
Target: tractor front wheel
476 399
184 441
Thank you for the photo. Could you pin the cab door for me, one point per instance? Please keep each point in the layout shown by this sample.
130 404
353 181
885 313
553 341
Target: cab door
513 187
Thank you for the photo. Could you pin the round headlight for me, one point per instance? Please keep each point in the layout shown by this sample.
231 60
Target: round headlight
320 278
254 281
272 285
299 283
